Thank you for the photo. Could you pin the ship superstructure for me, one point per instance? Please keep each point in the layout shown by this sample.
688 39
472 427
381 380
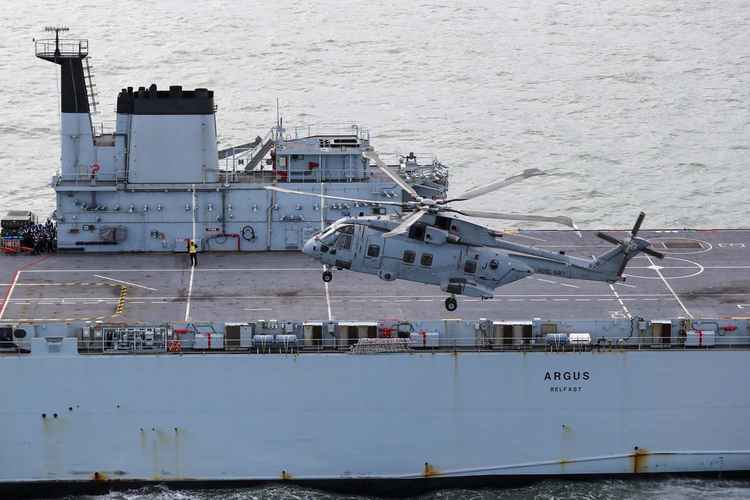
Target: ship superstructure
159 179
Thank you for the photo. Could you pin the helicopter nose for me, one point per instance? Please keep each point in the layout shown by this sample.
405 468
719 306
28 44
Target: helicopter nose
310 248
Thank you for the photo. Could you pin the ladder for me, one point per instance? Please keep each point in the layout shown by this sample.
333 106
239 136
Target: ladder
89 80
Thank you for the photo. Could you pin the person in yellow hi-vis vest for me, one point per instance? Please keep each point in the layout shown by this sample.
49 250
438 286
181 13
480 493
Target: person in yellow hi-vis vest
193 251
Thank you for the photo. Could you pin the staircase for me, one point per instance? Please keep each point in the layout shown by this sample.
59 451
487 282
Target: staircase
256 159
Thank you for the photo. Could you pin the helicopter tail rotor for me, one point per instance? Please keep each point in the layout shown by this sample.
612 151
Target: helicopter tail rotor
631 245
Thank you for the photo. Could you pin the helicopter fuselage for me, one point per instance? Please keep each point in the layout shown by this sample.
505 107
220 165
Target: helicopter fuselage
427 254
460 257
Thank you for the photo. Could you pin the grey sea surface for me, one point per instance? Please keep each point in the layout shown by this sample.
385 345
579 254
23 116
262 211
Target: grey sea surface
628 105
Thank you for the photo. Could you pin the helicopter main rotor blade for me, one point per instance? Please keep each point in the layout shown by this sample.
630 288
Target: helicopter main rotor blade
495 185
373 156
638 222
608 238
330 197
653 253
560 219
405 224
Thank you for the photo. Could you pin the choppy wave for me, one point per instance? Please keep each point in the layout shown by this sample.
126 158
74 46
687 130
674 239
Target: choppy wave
636 489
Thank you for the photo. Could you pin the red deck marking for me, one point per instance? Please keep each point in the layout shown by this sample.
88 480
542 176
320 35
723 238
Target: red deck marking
10 288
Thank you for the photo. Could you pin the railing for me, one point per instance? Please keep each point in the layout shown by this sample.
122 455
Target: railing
48 48
178 345
324 129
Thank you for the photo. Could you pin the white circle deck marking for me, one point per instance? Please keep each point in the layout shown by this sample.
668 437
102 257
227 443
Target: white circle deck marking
688 272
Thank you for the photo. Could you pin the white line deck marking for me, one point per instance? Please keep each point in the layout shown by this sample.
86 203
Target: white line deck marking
617 295
10 292
126 283
175 270
545 281
569 285
259 309
190 293
177 298
625 284
322 226
657 269
328 301
16 275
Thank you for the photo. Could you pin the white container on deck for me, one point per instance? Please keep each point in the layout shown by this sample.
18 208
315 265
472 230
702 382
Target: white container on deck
209 341
424 339
700 338
263 341
579 338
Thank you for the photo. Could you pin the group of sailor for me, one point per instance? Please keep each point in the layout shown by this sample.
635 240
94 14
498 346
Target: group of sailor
41 238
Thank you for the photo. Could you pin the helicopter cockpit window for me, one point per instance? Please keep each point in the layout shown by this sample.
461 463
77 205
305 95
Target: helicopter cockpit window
470 266
426 259
326 235
344 239
373 250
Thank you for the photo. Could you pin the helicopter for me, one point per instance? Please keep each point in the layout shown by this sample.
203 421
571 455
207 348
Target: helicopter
432 245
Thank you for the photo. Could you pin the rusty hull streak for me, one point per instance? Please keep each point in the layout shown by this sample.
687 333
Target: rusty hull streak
640 460
430 470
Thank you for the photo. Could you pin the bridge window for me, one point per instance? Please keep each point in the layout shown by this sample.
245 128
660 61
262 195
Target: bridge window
373 250
426 259
470 266
409 257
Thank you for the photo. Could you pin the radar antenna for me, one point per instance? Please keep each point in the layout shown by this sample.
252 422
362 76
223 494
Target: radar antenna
57 30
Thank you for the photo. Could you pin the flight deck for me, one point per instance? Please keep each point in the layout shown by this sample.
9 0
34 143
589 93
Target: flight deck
706 274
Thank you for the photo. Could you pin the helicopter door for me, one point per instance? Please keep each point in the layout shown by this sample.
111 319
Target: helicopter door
343 247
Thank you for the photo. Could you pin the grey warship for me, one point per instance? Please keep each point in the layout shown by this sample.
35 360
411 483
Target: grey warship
125 365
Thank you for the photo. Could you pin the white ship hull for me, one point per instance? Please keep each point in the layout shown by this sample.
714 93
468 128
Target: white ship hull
224 417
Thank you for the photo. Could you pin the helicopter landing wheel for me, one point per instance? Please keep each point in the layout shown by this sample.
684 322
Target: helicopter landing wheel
327 276
451 304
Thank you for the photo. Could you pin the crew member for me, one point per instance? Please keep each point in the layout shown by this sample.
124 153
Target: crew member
193 251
